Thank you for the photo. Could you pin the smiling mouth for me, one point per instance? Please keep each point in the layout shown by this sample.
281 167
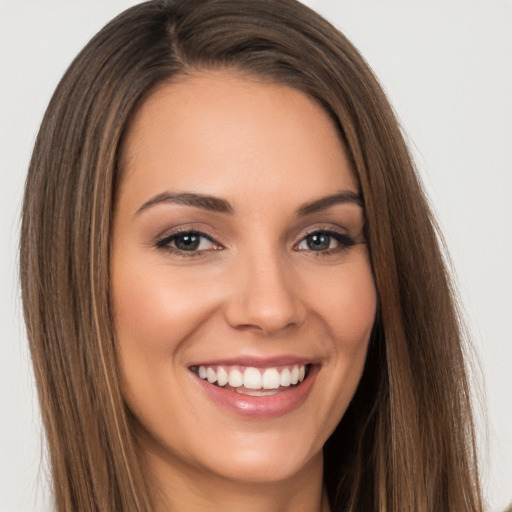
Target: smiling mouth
253 381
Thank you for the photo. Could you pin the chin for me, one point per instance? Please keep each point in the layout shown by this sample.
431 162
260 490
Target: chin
265 458
257 468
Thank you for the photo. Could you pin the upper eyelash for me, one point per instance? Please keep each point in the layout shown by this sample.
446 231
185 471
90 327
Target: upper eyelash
163 242
344 239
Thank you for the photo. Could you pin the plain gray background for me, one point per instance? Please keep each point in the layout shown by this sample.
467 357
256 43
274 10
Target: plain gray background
447 67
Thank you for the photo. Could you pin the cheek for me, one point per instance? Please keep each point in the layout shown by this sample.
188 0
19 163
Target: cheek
157 311
346 302
351 331
154 308
348 311
354 311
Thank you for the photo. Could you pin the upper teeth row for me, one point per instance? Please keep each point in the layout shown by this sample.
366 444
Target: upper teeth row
253 378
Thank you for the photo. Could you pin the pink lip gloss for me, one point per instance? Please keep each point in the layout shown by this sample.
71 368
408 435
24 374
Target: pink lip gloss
269 406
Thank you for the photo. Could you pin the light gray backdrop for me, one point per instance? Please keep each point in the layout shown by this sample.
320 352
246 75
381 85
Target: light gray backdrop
447 67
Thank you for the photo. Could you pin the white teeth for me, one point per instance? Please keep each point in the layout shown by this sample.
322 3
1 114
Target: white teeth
222 376
285 377
211 375
294 377
236 379
270 379
252 378
260 382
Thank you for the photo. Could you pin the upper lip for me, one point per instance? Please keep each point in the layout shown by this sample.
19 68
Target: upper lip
256 361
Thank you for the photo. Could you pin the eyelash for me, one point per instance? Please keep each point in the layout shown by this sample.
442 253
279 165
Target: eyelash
345 241
164 243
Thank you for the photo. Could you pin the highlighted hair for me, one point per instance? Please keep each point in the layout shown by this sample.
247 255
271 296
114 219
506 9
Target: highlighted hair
406 442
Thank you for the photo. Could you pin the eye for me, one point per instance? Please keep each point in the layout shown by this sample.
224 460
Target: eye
192 242
325 241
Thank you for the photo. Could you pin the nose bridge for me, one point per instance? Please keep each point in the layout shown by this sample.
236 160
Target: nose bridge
265 295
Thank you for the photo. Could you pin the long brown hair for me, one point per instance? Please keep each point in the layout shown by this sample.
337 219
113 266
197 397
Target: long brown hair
406 442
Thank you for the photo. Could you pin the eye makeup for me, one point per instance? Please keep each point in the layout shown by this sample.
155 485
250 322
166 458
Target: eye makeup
188 242
325 242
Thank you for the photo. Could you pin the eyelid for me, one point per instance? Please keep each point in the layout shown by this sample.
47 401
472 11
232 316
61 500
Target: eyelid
341 235
163 241
198 228
323 229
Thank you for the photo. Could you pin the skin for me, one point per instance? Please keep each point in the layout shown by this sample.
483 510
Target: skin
256 288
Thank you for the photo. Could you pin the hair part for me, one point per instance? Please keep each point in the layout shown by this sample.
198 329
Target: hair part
407 439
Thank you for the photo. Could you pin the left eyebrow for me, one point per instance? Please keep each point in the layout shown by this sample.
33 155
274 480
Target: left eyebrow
345 196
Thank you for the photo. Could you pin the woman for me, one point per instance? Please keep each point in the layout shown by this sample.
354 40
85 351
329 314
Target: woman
220 205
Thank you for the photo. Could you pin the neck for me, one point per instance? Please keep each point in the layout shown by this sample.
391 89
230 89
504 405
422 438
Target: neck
186 489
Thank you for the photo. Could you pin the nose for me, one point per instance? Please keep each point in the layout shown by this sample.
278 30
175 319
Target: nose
264 295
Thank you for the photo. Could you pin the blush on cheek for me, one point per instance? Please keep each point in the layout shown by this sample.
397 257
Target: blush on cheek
351 308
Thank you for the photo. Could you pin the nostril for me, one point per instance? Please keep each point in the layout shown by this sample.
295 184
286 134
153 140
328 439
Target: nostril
263 297
267 318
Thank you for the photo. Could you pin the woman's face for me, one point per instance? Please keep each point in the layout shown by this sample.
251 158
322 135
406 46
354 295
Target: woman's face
241 283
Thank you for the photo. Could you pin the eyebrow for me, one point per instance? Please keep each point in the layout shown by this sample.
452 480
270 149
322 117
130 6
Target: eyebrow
343 197
216 204
210 203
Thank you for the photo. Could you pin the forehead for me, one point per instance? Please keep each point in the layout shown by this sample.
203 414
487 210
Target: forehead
219 133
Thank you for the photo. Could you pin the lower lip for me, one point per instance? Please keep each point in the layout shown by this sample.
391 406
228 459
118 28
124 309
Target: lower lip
271 406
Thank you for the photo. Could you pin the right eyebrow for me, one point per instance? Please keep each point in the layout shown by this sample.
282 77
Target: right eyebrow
214 204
